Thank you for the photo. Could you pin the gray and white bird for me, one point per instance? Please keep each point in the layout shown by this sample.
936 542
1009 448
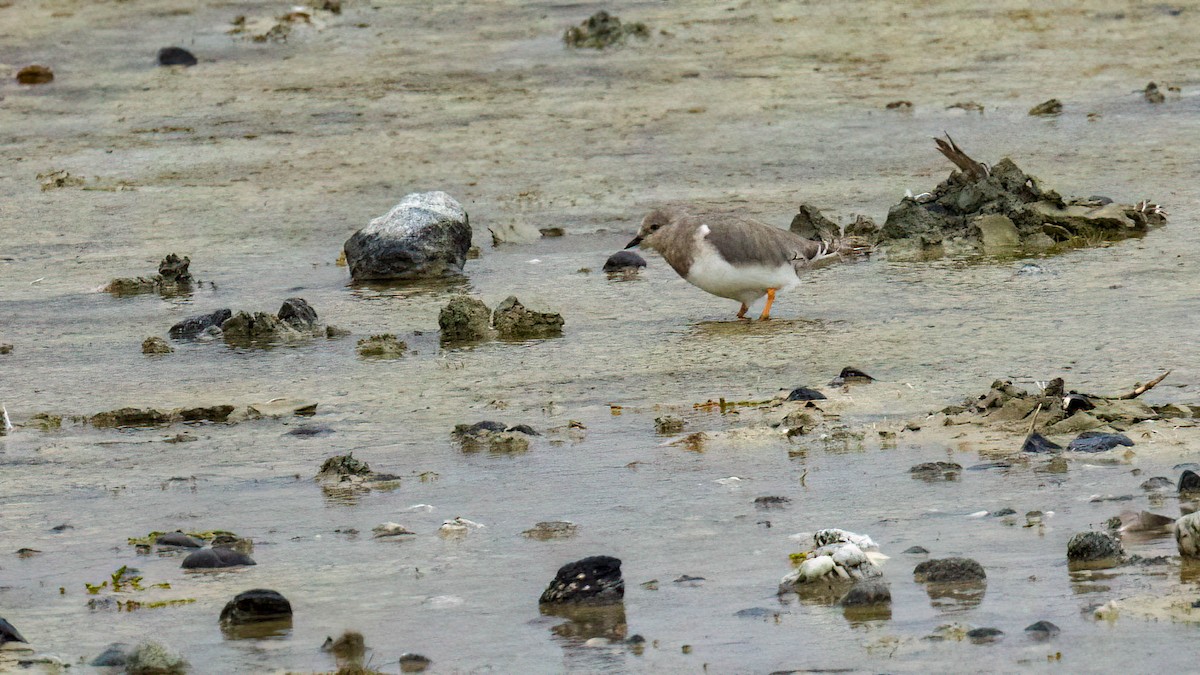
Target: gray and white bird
735 257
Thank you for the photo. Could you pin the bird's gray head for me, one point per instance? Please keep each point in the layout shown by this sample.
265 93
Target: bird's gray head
653 222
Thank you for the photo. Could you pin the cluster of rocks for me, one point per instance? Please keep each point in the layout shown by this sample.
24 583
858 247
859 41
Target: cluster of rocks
993 210
295 320
495 437
173 278
838 567
346 472
466 319
1052 410
602 30
155 417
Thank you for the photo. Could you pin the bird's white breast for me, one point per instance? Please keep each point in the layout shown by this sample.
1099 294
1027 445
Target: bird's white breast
745 283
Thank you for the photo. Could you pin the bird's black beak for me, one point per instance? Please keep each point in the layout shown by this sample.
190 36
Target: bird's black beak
636 240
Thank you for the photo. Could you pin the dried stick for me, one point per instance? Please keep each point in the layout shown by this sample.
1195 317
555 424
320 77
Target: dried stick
1138 391
955 154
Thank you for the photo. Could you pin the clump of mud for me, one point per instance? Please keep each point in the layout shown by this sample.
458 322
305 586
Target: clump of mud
602 30
991 210
1053 410
173 278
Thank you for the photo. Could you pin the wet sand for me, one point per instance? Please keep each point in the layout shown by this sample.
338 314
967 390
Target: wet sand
260 161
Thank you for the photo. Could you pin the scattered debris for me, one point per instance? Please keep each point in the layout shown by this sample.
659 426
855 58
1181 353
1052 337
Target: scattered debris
554 529
54 180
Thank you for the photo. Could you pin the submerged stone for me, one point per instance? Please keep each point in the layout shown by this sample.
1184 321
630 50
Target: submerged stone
1042 630
194 325
213 558
426 235
464 319
1097 441
1093 546
867 592
591 581
176 56
116 654
385 346
624 260
156 345
179 539
514 322
255 606
949 570
805 394
152 658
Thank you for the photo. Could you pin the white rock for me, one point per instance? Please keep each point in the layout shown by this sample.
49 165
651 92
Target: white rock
1187 535
391 530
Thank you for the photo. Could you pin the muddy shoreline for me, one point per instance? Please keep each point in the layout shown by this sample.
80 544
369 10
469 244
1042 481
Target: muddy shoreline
261 160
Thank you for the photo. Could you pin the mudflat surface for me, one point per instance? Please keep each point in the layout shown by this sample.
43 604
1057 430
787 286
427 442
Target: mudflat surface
260 161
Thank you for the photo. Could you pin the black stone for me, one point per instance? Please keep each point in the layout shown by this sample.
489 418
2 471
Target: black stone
175 56
1098 441
1090 546
195 325
212 558
1189 481
1036 442
1073 403
9 634
298 314
867 592
1042 630
524 429
916 550
478 427
805 394
623 260
591 581
1002 512
851 376
179 539
980 635
949 570
256 605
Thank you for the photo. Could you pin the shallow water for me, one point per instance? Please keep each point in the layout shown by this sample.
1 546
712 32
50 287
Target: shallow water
293 146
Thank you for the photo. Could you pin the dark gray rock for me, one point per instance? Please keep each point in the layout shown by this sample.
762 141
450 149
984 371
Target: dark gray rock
1092 546
414 663
424 236
1098 441
485 425
179 539
757 613
850 375
771 502
984 635
8 633
1162 483
867 592
624 260
297 313
1042 630
590 581
464 319
152 658
949 570
113 655
256 605
1000 513
1073 403
1189 481
175 56
194 325
810 223
916 550
1036 442
805 394
309 430
213 558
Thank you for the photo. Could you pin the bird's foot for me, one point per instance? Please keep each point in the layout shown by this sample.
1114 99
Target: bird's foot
766 313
